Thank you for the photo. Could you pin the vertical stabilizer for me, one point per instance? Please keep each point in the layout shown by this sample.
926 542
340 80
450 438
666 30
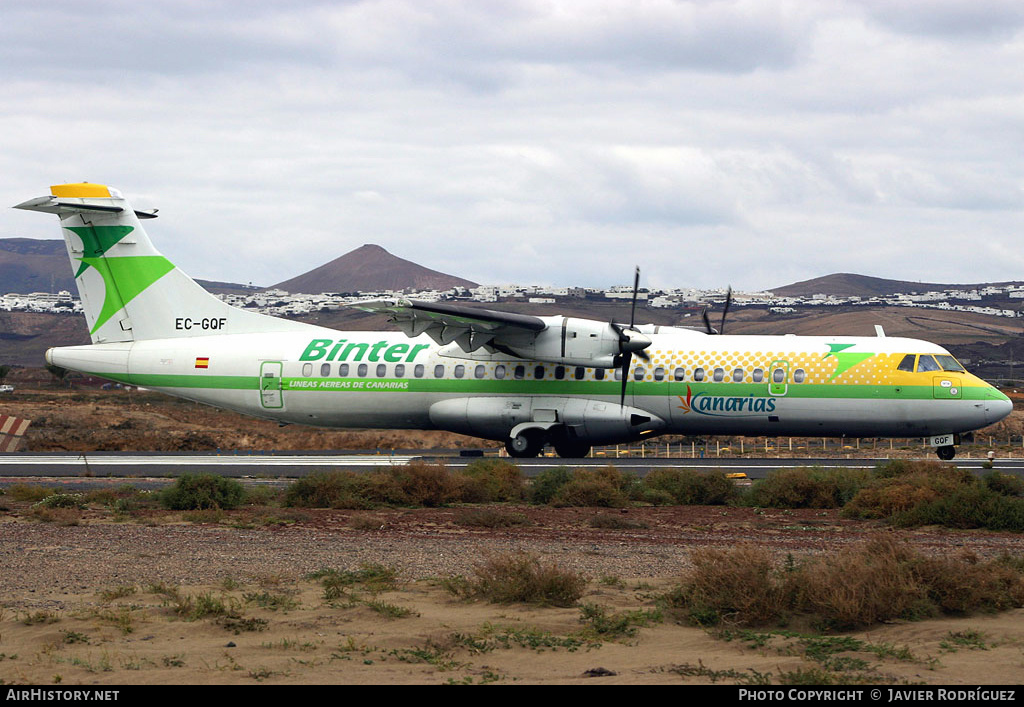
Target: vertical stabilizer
130 292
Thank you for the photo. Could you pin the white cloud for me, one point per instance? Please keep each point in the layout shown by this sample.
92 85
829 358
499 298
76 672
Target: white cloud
745 141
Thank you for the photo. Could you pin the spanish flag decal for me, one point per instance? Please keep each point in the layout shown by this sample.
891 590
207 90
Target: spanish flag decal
202 362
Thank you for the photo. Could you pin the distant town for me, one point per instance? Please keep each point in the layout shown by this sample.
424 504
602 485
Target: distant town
277 302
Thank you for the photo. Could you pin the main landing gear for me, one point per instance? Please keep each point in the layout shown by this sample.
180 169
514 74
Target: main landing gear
529 443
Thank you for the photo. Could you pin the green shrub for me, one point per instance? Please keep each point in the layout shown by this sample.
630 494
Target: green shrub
202 491
691 488
492 480
811 487
62 500
604 487
546 484
973 506
330 490
1004 483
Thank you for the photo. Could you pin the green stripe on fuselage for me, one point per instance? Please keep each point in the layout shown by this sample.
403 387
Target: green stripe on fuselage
573 388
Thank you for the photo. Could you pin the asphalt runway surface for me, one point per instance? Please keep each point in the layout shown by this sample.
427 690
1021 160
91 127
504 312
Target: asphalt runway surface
94 468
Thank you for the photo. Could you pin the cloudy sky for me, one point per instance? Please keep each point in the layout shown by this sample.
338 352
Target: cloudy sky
751 142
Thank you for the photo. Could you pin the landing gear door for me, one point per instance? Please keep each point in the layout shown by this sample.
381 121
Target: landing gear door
271 385
778 378
946 388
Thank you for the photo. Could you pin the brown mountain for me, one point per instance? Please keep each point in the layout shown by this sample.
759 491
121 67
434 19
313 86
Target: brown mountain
850 285
370 268
31 265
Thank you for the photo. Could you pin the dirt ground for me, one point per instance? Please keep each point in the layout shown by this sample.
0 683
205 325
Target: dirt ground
94 598
89 600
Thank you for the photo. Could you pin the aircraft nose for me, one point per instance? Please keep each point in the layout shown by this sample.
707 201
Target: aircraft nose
997 406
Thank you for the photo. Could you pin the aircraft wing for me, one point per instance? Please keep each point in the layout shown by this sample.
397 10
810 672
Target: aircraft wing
471 328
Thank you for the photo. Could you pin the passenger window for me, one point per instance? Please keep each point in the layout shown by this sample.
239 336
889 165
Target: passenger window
679 374
559 372
499 372
479 371
519 373
778 376
737 375
361 371
399 370
325 369
460 371
382 370
579 373
343 370
439 371
307 370
659 374
638 373
418 371
618 374
698 374
799 375
926 363
538 372
907 364
758 375
718 375
599 374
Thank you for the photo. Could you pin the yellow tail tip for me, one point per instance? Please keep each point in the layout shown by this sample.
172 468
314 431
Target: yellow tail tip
83 190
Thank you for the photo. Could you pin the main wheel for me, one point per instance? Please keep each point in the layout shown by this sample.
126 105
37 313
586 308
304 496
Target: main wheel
946 453
572 450
526 444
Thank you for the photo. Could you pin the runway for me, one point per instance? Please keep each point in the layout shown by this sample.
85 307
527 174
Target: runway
15 467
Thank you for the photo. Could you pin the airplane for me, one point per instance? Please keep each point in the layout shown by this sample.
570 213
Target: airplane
526 381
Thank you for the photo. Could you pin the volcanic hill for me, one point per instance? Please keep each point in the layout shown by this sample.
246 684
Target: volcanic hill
370 268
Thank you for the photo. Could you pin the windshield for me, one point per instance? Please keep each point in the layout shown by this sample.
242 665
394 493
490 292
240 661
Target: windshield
928 363
949 363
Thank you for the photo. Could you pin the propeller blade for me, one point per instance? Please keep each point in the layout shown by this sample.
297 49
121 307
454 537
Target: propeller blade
707 321
725 310
626 360
636 290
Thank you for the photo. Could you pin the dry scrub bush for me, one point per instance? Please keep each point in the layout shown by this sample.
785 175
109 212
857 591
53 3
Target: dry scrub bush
739 586
876 581
520 578
862 586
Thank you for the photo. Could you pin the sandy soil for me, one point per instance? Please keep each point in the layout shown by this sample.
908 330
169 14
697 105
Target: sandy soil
91 603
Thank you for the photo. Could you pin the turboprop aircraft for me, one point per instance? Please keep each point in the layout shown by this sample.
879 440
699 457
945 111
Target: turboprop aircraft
524 380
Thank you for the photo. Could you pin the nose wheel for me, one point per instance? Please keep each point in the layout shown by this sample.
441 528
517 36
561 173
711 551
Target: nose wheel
946 453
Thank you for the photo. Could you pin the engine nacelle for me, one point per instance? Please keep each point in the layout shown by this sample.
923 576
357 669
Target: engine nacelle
580 342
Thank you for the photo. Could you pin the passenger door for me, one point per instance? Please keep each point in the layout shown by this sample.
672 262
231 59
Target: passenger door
271 385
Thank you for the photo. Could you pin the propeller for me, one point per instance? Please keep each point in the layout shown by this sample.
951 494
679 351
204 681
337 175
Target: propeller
628 345
725 311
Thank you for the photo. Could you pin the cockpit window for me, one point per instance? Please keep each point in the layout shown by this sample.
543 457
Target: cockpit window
949 363
926 362
907 364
